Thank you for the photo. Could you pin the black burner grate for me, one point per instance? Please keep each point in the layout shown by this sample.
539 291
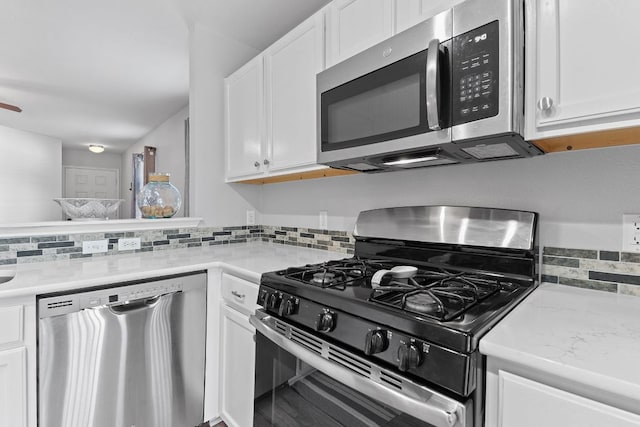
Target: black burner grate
438 294
336 274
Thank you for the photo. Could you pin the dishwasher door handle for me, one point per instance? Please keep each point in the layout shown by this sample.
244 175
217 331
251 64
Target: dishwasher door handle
136 304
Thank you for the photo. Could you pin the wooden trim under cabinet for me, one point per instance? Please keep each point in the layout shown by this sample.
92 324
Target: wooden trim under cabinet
601 139
322 173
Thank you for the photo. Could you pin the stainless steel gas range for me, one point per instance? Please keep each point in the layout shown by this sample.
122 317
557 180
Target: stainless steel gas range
390 336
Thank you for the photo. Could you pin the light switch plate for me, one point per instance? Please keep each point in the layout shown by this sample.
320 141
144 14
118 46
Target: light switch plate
95 246
323 220
631 233
251 217
129 244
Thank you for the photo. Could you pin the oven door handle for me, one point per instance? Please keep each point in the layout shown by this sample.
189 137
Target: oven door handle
420 402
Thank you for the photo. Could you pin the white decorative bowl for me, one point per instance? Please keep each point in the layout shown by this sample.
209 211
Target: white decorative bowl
78 208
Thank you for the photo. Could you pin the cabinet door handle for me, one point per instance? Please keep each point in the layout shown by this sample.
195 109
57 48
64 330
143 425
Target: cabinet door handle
256 164
545 103
238 295
266 161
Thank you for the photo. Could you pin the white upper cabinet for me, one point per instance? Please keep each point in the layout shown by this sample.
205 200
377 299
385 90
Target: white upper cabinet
411 12
270 107
291 65
244 121
354 25
581 67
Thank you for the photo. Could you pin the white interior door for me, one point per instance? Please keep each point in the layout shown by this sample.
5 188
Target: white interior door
95 183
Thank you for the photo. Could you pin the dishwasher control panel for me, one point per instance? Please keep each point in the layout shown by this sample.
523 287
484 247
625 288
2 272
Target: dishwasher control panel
110 296
127 295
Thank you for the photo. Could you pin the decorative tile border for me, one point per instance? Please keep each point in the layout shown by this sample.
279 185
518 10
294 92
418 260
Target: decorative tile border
593 269
329 240
29 249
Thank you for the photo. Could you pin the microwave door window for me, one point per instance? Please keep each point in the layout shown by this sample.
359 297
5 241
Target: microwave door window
386 104
383 110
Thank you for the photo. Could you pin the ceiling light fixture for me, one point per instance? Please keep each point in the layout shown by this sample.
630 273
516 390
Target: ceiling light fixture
94 148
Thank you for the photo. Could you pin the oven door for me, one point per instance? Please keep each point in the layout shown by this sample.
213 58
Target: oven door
300 376
391 98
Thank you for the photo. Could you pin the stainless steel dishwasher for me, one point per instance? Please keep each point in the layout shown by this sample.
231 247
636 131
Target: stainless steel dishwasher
130 355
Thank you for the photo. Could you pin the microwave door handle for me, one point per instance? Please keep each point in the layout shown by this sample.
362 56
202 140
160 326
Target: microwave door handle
433 85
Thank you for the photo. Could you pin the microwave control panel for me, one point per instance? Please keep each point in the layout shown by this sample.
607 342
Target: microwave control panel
475 74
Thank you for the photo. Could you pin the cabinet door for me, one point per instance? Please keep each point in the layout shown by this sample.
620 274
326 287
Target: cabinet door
526 403
354 25
411 12
580 69
291 65
13 378
244 121
237 368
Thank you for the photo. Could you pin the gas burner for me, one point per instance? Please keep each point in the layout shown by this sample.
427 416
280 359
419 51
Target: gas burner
323 278
335 274
422 302
440 294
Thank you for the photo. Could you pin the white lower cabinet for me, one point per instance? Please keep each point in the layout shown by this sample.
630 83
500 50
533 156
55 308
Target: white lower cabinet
13 387
237 352
523 402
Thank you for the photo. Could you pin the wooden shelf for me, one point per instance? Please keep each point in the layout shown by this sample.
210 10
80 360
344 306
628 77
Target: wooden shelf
607 138
322 173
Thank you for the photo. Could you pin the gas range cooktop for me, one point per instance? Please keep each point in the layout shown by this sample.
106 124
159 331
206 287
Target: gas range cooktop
446 307
437 293
425 284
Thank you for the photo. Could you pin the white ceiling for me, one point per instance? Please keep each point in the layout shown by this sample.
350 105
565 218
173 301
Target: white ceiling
108 72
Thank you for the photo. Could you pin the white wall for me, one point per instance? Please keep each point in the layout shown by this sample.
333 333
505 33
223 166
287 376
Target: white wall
31 176
168 138
85 158
579 195
212 58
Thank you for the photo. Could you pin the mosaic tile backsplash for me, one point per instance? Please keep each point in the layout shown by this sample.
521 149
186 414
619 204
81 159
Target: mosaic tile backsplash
593 269
17 250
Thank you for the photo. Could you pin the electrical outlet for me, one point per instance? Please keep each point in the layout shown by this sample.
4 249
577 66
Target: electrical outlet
323 220
251 217
631 232
95 246
129 244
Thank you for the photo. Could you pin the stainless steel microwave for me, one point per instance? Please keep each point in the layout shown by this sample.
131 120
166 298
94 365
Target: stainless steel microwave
448 90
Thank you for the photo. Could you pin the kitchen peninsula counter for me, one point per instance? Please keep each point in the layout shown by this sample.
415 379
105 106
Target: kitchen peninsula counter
245 260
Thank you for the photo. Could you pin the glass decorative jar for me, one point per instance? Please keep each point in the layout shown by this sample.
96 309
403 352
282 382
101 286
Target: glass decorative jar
159 198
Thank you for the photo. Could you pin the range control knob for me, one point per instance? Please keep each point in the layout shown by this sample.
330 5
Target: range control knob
375 342
409 356
326 321
273 301
288 306
262 297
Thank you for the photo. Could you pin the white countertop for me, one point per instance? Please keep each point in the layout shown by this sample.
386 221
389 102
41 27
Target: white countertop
581 336
246 260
